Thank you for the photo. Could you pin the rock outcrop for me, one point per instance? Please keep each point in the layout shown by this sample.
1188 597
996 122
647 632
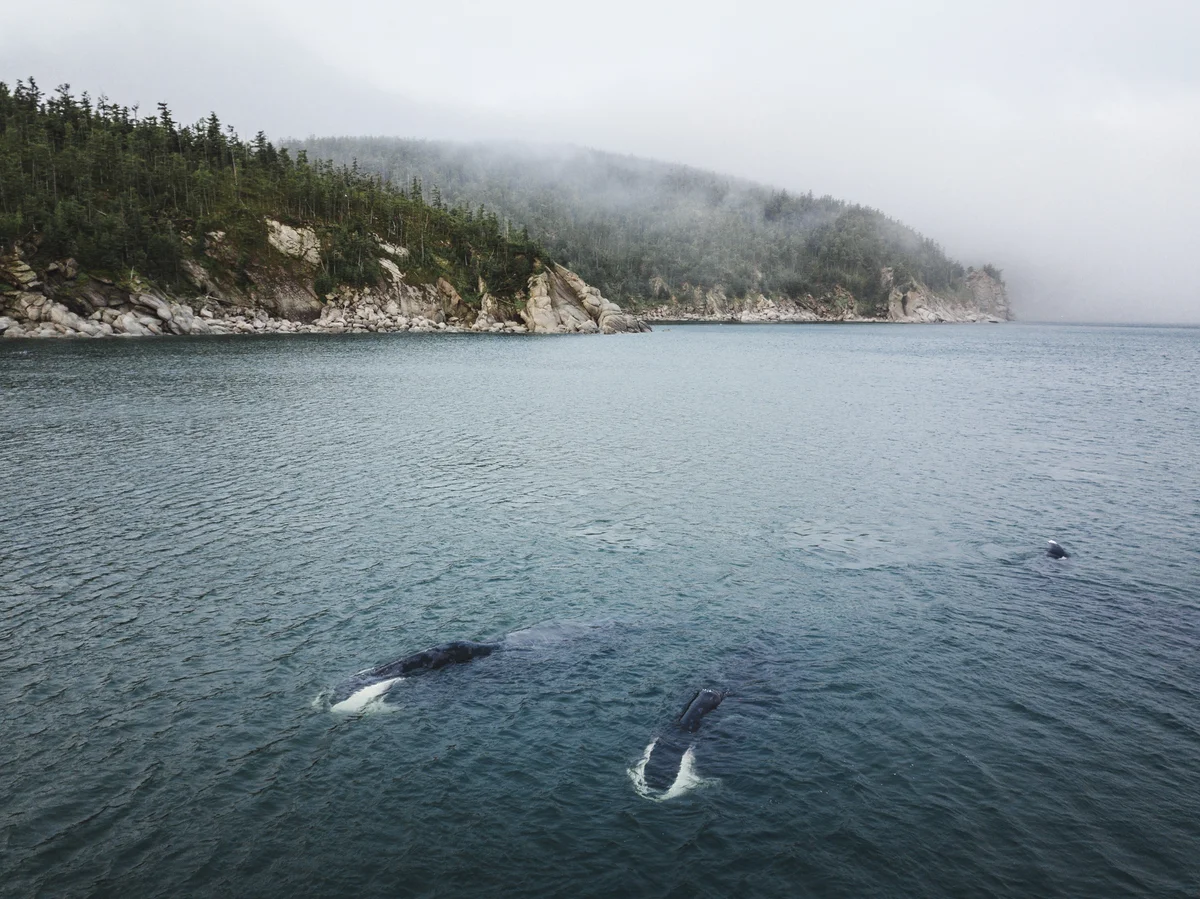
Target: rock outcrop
989 295
296 243
561 303
982 299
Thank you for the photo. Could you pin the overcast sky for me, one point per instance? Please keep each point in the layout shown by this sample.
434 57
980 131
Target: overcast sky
1059 140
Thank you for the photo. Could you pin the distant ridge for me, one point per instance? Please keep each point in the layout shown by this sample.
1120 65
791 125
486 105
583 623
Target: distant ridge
685 242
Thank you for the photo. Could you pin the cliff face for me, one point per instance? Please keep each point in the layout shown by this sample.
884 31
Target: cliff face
561 303
981 299
273 293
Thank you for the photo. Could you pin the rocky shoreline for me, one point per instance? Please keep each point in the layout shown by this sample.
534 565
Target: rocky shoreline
983 299
274 295
146 315
660 316
62 302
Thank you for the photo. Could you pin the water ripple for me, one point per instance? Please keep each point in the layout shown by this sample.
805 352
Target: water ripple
842 526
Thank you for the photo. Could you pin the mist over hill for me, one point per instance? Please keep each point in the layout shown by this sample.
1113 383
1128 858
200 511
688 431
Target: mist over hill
645 231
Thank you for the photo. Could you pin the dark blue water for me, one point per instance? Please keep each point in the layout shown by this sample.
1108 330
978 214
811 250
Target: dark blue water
843 526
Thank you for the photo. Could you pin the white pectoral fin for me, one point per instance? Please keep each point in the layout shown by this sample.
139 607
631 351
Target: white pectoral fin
359 700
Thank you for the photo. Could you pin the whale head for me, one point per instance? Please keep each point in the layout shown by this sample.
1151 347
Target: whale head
702 703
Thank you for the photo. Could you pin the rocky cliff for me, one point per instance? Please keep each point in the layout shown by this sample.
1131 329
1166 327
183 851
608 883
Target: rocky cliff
982 299
561 303
273 293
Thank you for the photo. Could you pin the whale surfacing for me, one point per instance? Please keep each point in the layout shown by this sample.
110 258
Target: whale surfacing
1055 551
369 685
437 657
667 767
702 703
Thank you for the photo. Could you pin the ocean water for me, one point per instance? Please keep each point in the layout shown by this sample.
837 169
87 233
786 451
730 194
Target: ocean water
843 526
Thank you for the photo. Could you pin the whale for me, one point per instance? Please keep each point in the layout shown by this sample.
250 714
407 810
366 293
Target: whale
1055 551
667 767
371 684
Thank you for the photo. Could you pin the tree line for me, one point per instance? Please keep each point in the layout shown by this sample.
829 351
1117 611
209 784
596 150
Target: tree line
643 230
124 192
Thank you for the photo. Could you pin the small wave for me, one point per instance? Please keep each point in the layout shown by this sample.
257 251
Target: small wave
685 781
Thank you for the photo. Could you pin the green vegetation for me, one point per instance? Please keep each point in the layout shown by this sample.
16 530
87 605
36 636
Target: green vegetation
642 231
129 194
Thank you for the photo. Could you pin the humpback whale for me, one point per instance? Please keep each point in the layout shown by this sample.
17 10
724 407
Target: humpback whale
1056 552
369 684
666 769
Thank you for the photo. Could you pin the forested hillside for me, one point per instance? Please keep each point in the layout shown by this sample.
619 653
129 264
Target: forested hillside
129 194
644 231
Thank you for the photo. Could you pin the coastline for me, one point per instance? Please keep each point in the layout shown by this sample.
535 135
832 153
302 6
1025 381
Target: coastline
276 297
982 299
855 320
62 302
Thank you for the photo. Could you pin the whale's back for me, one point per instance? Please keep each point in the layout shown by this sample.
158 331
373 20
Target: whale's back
434 658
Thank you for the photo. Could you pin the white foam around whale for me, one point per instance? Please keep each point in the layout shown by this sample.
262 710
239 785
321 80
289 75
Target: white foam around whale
685 781
359 701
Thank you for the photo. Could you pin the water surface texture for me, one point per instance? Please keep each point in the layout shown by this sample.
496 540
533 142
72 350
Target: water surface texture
844 526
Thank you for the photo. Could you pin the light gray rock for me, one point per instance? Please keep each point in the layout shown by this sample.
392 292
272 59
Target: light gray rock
60 315
298 243
128 323
157 305
30 306
560 302
181 318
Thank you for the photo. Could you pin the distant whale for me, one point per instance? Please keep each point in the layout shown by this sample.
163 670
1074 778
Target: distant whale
356 693
1056 552
667 767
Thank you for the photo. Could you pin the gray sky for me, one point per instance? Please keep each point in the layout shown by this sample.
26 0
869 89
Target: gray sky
1060 140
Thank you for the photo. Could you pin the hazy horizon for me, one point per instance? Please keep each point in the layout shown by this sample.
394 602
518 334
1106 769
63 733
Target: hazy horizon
1056 141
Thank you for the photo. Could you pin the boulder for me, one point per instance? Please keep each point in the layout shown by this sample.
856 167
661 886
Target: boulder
128 323
157 305
60 315
29 306
181 318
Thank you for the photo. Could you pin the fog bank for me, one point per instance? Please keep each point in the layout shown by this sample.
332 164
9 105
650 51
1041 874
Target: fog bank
1056 140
